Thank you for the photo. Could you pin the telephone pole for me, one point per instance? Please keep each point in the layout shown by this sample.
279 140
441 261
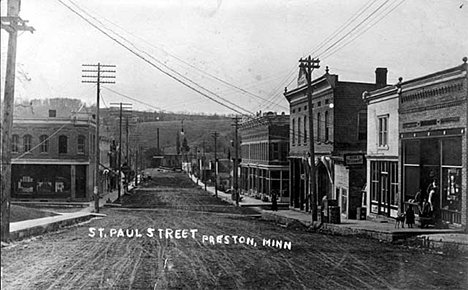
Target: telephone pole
97 78
12 23
203 164
308 65
122 106
215 137
236 159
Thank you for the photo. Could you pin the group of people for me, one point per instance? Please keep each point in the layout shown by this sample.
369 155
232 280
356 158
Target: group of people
425 206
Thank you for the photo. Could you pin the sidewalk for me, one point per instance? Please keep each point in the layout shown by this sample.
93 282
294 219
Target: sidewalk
24 229
377 229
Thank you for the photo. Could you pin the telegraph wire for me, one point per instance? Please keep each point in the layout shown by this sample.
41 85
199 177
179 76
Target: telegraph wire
362 32
161 63
152 64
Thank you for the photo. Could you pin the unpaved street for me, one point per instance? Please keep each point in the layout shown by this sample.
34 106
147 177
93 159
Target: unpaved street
197 258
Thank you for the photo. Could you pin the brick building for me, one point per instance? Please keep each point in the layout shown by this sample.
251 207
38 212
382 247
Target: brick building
53 145
264 152
340 132
433 140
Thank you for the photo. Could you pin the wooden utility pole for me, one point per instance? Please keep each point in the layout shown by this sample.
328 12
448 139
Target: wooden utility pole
236 159
97 79
308 66
203 164
12 23
215 137
121 108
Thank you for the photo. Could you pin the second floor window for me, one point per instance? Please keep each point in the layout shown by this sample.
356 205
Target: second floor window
318 127
15 143
63 144
383 131
293 137
305 130
327 124
81 144
44 139
362 125
27 140
299 131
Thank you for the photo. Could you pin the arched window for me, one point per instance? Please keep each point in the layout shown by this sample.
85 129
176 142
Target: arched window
44 139
27 142
14 143
63 144
81 144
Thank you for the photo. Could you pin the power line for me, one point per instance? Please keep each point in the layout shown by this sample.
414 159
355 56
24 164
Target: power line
171 55
155 66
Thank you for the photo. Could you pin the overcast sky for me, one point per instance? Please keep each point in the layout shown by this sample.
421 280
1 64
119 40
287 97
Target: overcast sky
239 51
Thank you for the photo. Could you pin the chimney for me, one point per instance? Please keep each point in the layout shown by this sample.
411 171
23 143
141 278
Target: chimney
381 76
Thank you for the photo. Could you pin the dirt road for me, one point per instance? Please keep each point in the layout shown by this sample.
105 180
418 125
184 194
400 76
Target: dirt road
173 235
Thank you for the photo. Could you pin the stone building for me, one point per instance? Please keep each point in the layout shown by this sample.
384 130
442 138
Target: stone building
53 145
264 152
340 133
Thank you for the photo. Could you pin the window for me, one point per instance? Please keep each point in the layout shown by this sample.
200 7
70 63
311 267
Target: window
44 140
52 113
63 140
327 134
305 130
15 143
383 131
318 127
293 137
299 130
27 140
362 125
81 144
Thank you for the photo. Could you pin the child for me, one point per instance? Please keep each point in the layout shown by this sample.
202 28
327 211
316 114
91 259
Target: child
410 216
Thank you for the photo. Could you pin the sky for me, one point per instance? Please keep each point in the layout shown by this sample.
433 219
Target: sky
226 56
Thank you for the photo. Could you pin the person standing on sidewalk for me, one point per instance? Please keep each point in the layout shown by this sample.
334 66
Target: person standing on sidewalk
274 202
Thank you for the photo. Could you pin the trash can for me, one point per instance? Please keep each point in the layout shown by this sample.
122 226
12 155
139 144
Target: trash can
334 215
361 213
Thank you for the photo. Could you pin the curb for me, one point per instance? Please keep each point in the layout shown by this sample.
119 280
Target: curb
50 226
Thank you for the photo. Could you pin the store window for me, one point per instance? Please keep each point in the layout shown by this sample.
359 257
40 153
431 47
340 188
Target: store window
44 140
81 144
15 143
27 143
63 144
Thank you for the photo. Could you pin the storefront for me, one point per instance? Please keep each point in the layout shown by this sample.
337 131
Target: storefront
51 181
435 156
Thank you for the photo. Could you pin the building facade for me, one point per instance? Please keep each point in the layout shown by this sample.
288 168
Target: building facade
53 151
433 141
264 152
340 136
382 190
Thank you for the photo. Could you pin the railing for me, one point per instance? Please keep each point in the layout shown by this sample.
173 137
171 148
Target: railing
451 216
